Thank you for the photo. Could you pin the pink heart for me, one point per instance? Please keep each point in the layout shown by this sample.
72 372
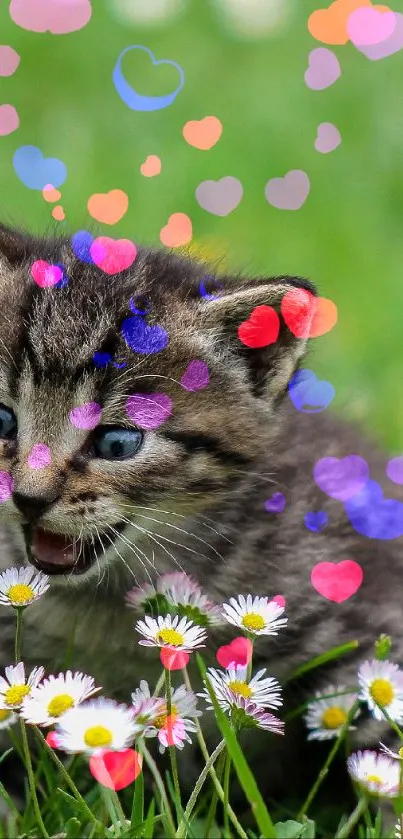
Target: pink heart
290 192
173 659
45 274
149 410
236 654
328 138
86 416
9 120
392 44
279 599
9 61
6 486
116 770
39 456
337 581
55 16
196 376
113 255
323 69
366 26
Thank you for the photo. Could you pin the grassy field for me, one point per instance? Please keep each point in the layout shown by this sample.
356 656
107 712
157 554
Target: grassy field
347 236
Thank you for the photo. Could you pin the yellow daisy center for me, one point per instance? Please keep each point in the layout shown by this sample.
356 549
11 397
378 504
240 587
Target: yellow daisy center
98 735
21 594
374 779
59 704
382 691
241 688
334 717
171 637
4 715
160 721
253 621
14 695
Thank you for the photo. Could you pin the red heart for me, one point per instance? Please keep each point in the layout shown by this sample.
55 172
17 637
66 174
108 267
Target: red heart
173 659
113 255
52 739
261 329
116 770
236 654
337 581
307 316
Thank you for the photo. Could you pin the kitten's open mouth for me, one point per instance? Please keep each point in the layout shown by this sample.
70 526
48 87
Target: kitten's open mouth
58 553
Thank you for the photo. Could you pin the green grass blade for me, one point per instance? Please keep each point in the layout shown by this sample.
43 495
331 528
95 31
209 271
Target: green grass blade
149 824
335 652
137 814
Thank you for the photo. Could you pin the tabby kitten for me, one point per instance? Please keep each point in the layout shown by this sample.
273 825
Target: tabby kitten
189 493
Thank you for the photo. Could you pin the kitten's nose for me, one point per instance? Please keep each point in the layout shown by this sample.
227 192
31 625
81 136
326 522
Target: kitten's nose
33 506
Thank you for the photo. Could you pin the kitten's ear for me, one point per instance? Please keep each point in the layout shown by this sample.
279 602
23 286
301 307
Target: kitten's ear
12 246
233 311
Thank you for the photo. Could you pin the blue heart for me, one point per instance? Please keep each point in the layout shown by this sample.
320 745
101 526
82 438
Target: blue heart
316 521
137 101
373 515
305 389
65 279
101 359
81 243
35 170
143 338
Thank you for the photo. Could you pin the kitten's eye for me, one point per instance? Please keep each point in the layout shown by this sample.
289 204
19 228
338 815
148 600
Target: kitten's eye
8 423
113 442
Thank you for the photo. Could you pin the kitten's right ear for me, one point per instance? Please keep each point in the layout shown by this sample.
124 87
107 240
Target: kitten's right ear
12 246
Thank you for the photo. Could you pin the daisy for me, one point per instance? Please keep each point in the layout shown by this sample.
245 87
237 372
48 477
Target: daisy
140 598
146 707
56 695
97 724
263 692
377 773
170 632
7 718
15 686
246 714
257 615
184 593
173 729
327 714
21 586
381 683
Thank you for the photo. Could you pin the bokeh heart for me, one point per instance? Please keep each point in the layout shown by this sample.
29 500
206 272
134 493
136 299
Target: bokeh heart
113 255
86 416
388 47
316 521
337 581
290 192
56 16
196 376
9 120
9 60
6 486
261 329
328 137
115 770
44 274
323 69
367 26
151 166
173 659
236 654
40 456
374 516
35 170
330 25
149 410
276 503
341 478
81 243
219 197
308 394
142 338
108 207
308 316
177 232
203 133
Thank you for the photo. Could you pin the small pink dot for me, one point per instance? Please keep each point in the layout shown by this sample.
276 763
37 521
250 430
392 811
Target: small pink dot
149 410
9 120
6 486
86 416
39 456
9 61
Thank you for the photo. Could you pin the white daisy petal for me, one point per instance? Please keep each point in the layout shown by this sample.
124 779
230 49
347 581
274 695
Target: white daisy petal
15 687
19 587
327 713
97 724
265 693
257 616
381 683
7 718
173 730
168 631
377 773
56 695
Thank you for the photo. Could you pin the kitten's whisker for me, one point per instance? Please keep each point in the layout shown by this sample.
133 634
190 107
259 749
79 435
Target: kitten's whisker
179 515
154 539
181 530
165 539
119 535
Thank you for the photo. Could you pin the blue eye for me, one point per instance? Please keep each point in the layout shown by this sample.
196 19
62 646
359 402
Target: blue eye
8 423
114 443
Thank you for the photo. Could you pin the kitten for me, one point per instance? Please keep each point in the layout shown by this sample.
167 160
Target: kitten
189 493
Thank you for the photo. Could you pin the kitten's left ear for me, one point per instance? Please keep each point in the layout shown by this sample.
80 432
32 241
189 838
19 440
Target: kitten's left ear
12 245
232 311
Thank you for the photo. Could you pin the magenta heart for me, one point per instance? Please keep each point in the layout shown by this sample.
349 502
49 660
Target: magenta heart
327 138
196 376
6 486
39 456
116 770
323 69
113 255
290 192
236 654
337 581
366 26
45 274
387 47
149 410
86 416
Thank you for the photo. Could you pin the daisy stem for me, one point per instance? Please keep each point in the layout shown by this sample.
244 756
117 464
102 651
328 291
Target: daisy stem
393 724
352 820
160 786
214 798
31 779
180 833
332 754
159 684
171 747
18 635
249 666
65 775
204 750
227 773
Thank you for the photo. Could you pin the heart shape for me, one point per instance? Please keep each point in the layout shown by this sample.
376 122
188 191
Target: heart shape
290 192
394 470
39 456
323 69
330 25
116 770
341 478
9 60
173 659
45 274
81 243
51 194
108 207
337 581
142 338
219 197
149 410
307 316
367 26
374 516
316 521
196 376
261 329
388 47
177 232
236 654
136 101
276 503
86 416
56 16
9 120
151 166
328 138
112 255
35 170
6 486
203 133
305 389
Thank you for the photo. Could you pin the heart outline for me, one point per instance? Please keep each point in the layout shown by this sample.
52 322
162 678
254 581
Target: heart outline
135 101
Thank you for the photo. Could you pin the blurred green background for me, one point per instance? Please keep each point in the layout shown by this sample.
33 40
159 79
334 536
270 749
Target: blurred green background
347 237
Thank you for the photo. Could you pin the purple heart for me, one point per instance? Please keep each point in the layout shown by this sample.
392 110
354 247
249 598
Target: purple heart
305 389
341 479
290 192
276 503
327 138
388 47
316 521
81 243
142 338
149 410
196 376
219 197
323 70
373 515
6 486
86 416
394 470
40 456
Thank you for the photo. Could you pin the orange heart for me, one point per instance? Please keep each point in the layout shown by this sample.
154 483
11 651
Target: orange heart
203 133
307 316
51 194
177 232
151 166
58 213
329 26
108 207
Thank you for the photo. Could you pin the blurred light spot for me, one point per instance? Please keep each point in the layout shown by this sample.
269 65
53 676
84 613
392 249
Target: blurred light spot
254 18
151 12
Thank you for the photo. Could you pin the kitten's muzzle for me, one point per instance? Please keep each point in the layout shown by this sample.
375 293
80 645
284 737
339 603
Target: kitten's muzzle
59 553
